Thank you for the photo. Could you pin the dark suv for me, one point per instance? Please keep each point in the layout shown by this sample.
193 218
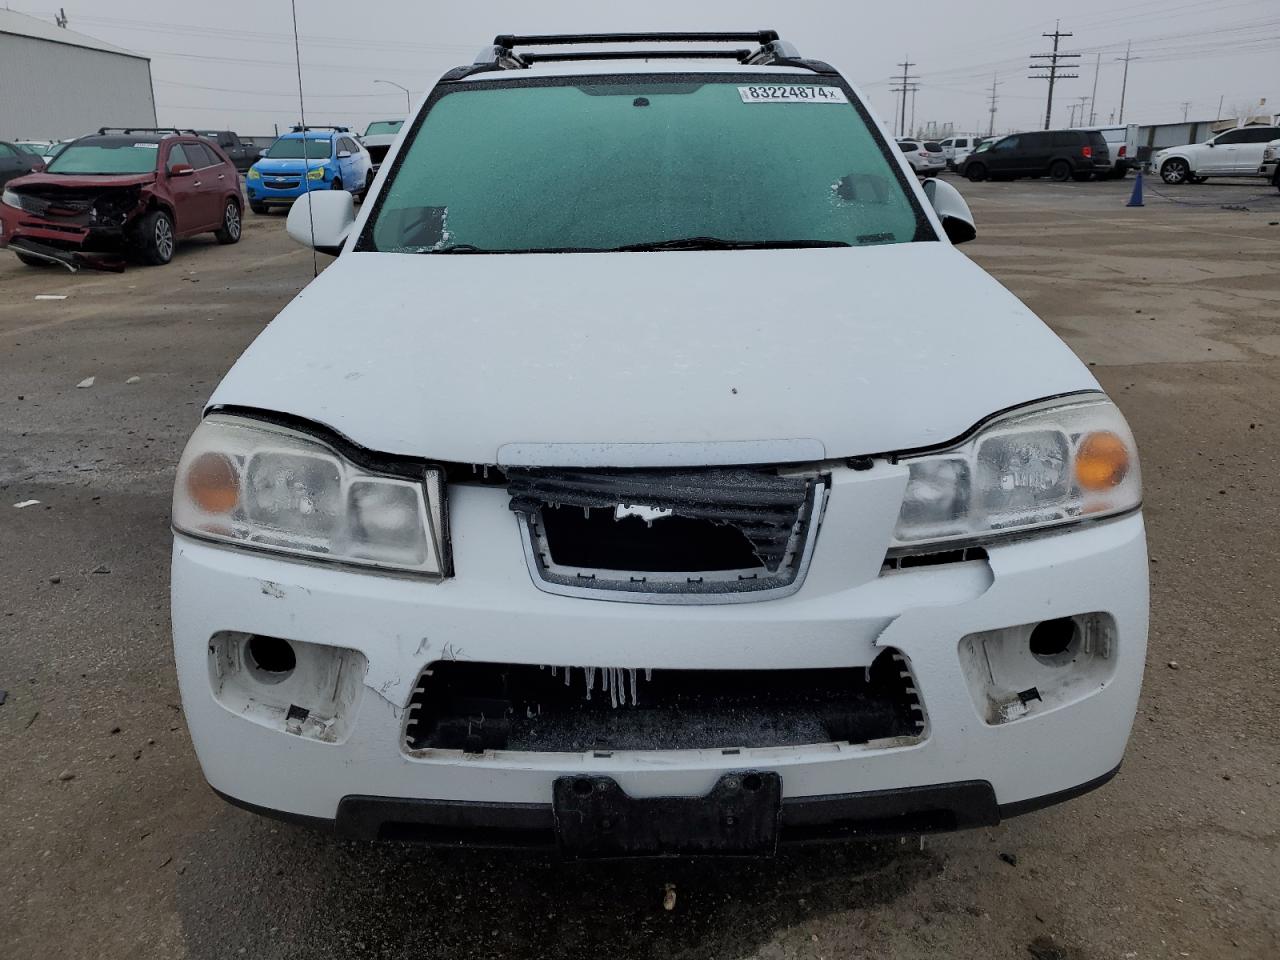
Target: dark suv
1058 154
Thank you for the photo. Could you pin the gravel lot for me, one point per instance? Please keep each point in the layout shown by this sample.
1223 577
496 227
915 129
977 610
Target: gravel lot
111 845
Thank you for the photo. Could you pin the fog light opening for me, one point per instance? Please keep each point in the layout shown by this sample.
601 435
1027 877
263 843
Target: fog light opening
272 659
1054 641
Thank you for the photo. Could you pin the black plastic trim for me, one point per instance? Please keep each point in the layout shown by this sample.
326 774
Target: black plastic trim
570 39
904 811
1018 809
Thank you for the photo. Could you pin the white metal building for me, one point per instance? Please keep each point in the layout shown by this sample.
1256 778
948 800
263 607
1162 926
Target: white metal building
56 83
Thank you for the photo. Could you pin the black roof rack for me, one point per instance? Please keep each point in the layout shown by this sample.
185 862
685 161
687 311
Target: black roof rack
126 131
299 128
773 51
511 41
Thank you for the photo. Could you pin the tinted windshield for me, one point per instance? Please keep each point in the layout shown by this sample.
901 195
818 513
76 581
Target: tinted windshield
583 165
383 127
125 157
292 149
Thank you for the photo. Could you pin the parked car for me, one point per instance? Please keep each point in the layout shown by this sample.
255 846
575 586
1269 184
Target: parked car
136 191
38 147
242 154
1058 154
378 139
925 157
563 508
1236 153
1122 143
956 150
1270 168
16 162
319 158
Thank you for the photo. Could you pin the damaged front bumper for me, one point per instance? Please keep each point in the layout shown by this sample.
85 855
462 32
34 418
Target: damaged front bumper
71 228
1007 722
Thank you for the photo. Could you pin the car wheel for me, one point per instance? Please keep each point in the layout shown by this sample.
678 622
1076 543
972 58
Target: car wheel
976 172
1175 171
1060 171
259 208
1119 174
156 240
32 261
229 232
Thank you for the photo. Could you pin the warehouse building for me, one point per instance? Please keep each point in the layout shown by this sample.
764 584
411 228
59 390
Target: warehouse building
56 83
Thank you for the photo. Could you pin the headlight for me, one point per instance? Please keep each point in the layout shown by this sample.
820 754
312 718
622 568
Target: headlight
1042 466
1270 153
253 174
265 487
316 173
11 199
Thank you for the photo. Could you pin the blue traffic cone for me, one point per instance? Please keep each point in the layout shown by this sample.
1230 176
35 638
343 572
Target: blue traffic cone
1136 199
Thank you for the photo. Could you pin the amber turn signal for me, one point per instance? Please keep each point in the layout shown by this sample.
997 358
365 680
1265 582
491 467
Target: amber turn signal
213 484
1102 461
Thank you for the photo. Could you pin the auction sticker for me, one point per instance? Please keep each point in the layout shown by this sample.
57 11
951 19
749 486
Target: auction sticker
797 94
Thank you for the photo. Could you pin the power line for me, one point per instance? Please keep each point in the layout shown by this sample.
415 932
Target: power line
1057 61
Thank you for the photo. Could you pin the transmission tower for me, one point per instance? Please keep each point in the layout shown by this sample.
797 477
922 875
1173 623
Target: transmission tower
1057 62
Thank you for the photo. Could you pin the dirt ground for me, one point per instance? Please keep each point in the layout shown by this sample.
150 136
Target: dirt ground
112 846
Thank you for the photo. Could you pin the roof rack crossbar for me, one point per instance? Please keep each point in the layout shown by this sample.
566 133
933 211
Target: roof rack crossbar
739 55
103 131
509 41
299 128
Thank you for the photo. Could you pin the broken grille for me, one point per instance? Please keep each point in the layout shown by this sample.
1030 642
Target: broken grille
476 707
714 535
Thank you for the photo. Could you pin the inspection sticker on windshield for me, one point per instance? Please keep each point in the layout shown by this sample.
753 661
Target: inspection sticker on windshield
797 94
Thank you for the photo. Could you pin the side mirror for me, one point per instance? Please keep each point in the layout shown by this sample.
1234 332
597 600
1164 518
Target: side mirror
344 155
182 170
323 219
957 219
262 153
1212 144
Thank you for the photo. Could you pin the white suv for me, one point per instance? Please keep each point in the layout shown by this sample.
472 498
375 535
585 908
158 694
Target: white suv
602 496
924 157
1236 153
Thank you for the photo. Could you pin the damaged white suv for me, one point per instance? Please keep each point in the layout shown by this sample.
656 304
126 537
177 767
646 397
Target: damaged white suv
602 496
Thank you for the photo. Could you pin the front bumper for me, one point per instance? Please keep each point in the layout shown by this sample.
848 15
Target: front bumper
265 190
845 615
1271 171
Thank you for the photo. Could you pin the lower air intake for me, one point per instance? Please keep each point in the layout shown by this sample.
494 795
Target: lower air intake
476 707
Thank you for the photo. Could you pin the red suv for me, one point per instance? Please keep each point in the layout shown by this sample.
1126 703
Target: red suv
123 191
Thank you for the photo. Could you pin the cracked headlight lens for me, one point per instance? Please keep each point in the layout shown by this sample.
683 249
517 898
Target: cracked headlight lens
1042 466
266 487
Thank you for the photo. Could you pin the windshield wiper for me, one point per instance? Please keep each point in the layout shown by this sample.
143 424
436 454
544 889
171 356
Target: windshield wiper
464 248
717 243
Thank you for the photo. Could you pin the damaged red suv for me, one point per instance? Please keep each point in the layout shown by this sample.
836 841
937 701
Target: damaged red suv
122 192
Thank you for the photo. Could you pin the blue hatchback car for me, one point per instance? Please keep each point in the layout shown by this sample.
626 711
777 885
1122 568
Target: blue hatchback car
317 158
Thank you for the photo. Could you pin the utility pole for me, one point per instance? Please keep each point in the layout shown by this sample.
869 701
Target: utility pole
995 100
1093 100
1057 61
906 85
1124 86
1186 108
1080 118
914 88
1221 100
61 18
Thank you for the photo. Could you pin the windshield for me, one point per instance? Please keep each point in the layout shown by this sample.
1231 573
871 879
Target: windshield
124 157
383 127
292 149
35 149
577 165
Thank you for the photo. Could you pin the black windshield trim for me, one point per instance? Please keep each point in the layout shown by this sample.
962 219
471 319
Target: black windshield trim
924 228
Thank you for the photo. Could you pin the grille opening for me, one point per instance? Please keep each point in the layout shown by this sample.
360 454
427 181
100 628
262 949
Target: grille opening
915 561
476 707
593 539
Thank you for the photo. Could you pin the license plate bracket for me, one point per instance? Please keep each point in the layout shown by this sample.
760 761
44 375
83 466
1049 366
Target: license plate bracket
596 819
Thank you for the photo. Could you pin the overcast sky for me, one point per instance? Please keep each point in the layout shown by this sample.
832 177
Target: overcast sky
230 64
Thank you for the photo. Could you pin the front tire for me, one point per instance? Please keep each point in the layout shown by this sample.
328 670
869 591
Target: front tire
231 227
1060 171
976 172
156 238
1175 172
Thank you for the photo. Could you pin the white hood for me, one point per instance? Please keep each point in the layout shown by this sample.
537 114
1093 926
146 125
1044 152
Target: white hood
617 359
